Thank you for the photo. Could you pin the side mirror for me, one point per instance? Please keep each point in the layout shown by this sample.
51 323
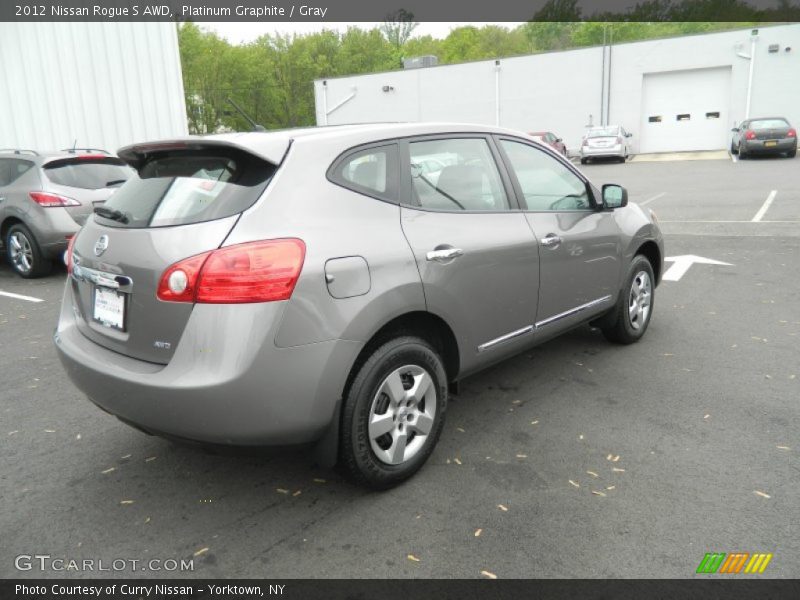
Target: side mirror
735 129
628 135
559 140
614 196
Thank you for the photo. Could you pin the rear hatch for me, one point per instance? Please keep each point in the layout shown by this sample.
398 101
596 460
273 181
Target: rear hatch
770 129
88 179
181 202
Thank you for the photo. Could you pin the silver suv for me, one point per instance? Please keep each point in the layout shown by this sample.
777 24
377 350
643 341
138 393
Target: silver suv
327 286
45 198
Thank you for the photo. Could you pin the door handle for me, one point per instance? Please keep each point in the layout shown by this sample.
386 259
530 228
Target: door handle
444 254
551 240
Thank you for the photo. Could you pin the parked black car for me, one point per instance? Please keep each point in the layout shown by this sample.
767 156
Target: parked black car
765 135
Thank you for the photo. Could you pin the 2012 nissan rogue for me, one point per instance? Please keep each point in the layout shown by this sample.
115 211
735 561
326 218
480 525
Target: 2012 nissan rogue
327 285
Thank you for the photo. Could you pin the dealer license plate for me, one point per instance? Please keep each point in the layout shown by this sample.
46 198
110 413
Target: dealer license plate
109 308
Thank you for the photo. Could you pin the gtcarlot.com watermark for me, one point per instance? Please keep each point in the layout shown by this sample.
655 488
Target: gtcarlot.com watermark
47 562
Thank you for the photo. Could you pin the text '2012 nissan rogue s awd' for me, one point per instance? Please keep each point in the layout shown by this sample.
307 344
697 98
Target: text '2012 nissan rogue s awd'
326 285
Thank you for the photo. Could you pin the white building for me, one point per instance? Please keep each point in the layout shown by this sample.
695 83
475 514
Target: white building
673 94
102 84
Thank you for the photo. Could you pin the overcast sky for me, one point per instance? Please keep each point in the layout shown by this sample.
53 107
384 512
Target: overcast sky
237 33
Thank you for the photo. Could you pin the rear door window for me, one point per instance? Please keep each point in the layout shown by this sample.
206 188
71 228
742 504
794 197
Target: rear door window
88 173
466 178
187 187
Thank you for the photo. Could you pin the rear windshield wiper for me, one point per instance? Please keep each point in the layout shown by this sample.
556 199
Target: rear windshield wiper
111 213
115 182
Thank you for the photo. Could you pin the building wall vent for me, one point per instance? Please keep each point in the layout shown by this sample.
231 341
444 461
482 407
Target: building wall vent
420 62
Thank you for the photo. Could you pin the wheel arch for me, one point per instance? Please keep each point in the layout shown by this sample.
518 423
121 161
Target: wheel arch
7 224
426 325
652 253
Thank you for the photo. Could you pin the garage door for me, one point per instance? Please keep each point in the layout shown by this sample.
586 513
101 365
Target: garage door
686 110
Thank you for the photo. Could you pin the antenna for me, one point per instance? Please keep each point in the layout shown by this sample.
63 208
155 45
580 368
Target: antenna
253 124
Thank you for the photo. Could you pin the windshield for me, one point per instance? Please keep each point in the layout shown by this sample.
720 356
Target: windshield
603 132
183 188
769 124
88 173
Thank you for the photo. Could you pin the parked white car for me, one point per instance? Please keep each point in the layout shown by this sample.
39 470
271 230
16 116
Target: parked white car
610 141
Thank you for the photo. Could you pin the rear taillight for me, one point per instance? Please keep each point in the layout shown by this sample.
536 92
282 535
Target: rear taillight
792 133
49 200
68 254
749 134
264 271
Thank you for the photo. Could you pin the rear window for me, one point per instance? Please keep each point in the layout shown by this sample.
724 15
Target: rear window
88 173
769 124
603 132
188 187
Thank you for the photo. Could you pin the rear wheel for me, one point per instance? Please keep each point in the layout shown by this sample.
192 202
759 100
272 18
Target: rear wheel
24 254
393 413
734 151
630 317
792 153
584 161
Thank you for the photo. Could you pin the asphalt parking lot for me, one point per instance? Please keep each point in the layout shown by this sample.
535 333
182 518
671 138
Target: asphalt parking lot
702 415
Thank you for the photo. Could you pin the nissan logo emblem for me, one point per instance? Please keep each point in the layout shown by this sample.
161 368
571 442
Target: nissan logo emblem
100 245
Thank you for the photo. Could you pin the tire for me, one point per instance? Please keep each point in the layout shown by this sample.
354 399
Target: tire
792 153
734 151
584 161
742 154
370 457
23 253
622 327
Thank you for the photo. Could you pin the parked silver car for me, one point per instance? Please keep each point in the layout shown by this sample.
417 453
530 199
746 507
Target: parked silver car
45 198
316 286
610 141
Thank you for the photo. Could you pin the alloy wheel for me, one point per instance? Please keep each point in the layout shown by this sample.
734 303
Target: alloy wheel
20 252
639 300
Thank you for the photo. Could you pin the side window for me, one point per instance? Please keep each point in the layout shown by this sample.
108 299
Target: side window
546 183
456 174
372 171
11 169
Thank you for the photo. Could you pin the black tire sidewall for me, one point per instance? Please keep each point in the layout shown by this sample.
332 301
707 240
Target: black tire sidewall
621 331
640 263
357 455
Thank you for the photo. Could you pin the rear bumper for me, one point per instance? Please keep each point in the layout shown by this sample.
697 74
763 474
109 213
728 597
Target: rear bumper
761 147
227 382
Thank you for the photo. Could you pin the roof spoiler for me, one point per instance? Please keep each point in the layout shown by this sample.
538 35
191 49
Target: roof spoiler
269 148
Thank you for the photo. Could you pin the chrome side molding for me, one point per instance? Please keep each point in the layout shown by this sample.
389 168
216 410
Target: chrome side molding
543 323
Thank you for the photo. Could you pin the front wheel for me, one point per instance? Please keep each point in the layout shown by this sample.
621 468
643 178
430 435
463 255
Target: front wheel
631 315
23 253
584 161
393 413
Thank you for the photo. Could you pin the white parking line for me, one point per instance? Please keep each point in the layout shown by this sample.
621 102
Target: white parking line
21 297
765 207
649 200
